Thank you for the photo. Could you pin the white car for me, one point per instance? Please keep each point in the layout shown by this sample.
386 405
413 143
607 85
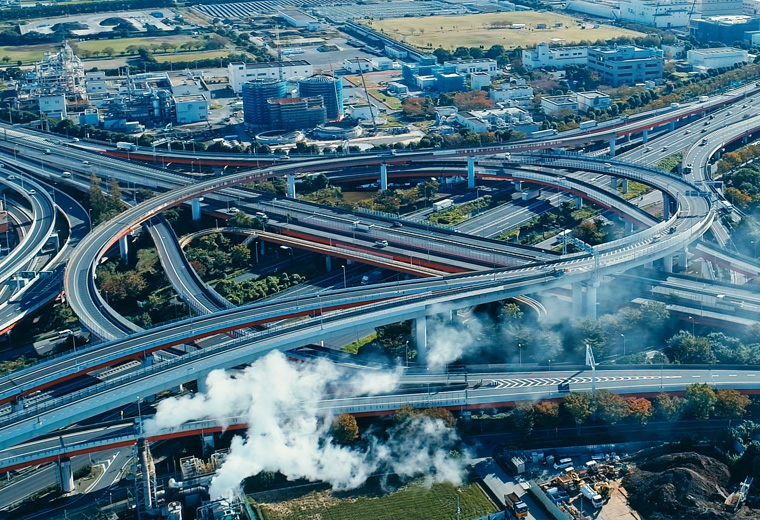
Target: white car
233 209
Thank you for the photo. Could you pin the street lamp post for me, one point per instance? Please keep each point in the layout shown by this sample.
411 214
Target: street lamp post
623 336
344 276
519 348
692 325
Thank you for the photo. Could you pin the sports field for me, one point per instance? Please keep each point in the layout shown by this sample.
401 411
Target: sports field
475 30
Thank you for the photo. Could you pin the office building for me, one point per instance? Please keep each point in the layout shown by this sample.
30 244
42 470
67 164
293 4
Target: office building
241 73
331 90
296 113
516 93
592 99
256 93
544 56
449 82
480 80
557 105
725 29
626 64
190 108
702 60
468 67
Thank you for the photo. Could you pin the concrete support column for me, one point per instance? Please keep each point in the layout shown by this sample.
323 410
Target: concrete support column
66 476
667 264
649 265
517 185
195 204
627 138
471 172
628 226
201 382
124 247
147 361
672 126
383 176
645 136
578 202
612 147
420 339
625 186
328 263
591 300
717 155
17 405
613 183
665 206
291 186
578 298
263 249
208 441
683 258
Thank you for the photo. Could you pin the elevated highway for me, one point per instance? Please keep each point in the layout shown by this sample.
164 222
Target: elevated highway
498 389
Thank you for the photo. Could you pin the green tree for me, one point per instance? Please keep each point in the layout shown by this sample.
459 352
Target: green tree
96 199
684 348
669 407
524 418
393 338
108 51
510 311
240 255
610 408
578 406
731 404
345 430
700 400
115 203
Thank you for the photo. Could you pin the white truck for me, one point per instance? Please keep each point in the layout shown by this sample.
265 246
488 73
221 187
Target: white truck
359 226
593 496
123 145
583 125
442 204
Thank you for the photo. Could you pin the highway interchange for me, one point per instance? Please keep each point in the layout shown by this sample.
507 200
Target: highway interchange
501 270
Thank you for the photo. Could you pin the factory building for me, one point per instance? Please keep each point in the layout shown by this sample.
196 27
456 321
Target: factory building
296 113
256 93
331 90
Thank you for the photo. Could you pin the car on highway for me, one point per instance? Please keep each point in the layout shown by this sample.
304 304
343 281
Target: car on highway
648 149
66 175
11 177
397 224
381 243
47 151
75 139
688 131
233 209
32 191
664 148
85 162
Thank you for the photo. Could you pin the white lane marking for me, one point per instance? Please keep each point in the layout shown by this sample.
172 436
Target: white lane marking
550 381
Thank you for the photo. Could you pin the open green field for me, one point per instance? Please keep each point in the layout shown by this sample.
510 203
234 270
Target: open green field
26 53
413 502
120 46
191 56
474 30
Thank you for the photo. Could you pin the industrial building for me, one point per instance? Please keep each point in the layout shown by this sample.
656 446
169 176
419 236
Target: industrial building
432 77
298 18
256 93
555 105
544 56
296 113
626 64
516 93
725 29
662 14
702 60
59 73
467 67
708 8
331 90
241 73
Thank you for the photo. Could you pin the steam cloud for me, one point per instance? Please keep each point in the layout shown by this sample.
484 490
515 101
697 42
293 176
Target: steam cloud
289 433
450 341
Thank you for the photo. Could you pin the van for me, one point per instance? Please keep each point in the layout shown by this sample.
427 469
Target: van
66 175
381 243
262 216
64 333
47 151
365 280
563 463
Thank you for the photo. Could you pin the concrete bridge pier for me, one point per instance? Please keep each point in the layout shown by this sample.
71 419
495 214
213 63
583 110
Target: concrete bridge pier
578 298
65 475
683 258
517 185
672 126
612 147
591 299
383 177
666 206
195 205
471 172
645 136
667 264
328 263
578 202
625 186
613 183
124 247
291 186
201 382
419 329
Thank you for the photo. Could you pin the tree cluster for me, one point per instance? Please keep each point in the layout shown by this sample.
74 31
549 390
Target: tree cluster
252 290
104 206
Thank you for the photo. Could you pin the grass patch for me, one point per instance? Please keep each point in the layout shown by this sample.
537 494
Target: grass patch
412 502
475 30
671 162
25 53
354 347
7 367
391 102
635 189
458 214
191 56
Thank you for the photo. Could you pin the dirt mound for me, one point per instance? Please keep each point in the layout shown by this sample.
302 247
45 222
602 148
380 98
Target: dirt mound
682 485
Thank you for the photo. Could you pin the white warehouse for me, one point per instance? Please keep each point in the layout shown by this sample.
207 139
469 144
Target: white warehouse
544 56
706 59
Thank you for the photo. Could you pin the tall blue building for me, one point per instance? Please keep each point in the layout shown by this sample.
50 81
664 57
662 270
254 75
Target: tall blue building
331 90
256 93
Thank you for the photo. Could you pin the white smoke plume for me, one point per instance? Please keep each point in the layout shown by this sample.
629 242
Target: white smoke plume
289 432
449 341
